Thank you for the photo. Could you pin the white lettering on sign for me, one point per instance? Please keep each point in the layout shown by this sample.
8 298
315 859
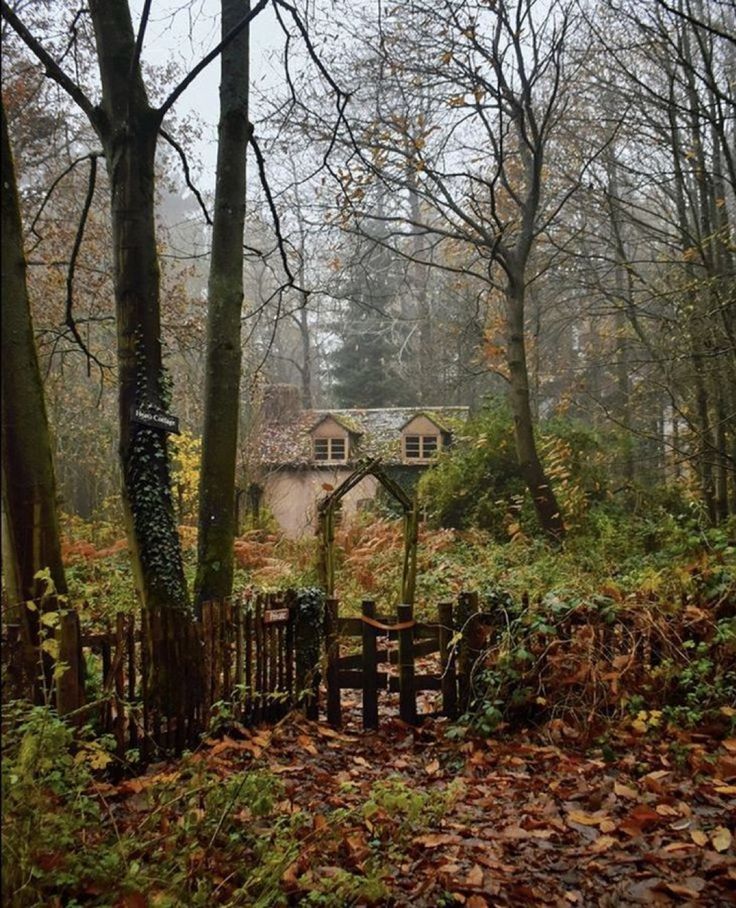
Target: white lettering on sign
276 615
156 419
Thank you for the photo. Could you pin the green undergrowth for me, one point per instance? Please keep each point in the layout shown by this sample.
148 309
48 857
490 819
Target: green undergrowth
192 833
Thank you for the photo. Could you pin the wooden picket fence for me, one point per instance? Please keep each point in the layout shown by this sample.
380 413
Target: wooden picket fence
260 658
262 655
252 671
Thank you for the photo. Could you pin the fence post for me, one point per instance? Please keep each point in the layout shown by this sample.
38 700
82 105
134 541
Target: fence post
207 660
120 684
407 691
130 636
147 731
70 683
469 645
332 645
447 660
307 661
370 669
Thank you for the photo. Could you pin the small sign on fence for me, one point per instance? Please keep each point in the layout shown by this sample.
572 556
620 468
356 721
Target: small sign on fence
276 616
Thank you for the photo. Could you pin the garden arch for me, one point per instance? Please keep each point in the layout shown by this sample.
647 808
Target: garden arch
326 528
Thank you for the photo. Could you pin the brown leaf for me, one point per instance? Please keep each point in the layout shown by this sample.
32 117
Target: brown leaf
133 900
289 877
664 810
436 839
432 767
678 889
644 816
515 832
587 819
602 843
476 901
721 839
308 745
625 791
474 878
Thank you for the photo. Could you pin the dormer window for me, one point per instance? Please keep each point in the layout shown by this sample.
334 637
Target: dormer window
420 447
330 450
332 441
421 439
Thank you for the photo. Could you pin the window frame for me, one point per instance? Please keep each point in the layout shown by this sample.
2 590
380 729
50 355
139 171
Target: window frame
330 442
425 445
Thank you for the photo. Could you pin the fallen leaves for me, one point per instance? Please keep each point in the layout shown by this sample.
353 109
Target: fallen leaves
535 824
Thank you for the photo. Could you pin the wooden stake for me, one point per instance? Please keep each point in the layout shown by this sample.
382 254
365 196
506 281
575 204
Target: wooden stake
407 691
370 669
70 684
332 644
447 661
469 648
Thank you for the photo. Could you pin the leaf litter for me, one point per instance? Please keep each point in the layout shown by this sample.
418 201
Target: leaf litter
433 821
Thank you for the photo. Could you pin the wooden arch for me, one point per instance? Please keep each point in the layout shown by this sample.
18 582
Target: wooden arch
326 527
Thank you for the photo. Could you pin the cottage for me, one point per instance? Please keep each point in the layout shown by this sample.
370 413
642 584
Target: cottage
301 454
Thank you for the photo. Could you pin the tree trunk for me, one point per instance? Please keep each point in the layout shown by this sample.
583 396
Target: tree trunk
128 129
545 503
225 292
28 483
31 539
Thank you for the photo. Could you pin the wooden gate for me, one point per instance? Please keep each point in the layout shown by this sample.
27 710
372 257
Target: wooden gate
360 671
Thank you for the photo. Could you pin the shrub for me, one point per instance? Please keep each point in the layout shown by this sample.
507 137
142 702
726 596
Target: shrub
478 483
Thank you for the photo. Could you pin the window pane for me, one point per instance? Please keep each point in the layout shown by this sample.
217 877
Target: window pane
337 451
320 449
412 446
429 445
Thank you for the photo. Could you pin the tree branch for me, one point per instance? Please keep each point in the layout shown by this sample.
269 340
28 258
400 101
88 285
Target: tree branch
53 70
206 60
274 212
187 176
69 319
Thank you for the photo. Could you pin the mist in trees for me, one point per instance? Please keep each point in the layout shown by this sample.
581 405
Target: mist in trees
446 203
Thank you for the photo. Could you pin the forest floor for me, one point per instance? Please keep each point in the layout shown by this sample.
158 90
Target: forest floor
610 782
407 816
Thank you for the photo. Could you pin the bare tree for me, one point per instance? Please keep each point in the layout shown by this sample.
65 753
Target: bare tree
128 128
225 299
466 164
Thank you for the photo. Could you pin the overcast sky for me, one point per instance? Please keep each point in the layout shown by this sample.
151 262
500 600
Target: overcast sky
185 32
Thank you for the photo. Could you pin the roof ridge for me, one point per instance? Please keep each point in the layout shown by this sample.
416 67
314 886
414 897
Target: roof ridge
418 409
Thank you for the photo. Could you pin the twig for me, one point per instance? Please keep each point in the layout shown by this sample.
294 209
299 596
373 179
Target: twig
69 317
187 175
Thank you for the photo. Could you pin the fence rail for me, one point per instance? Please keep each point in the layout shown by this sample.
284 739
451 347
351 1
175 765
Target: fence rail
263 654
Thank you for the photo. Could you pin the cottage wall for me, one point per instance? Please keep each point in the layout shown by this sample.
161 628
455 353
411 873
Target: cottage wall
292 495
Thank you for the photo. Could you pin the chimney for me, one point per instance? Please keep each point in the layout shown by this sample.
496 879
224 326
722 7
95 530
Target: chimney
281 403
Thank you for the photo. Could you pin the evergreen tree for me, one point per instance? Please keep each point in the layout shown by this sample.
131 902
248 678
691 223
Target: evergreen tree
366 370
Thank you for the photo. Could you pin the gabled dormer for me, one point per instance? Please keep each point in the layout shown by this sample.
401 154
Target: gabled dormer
333 440
421 438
